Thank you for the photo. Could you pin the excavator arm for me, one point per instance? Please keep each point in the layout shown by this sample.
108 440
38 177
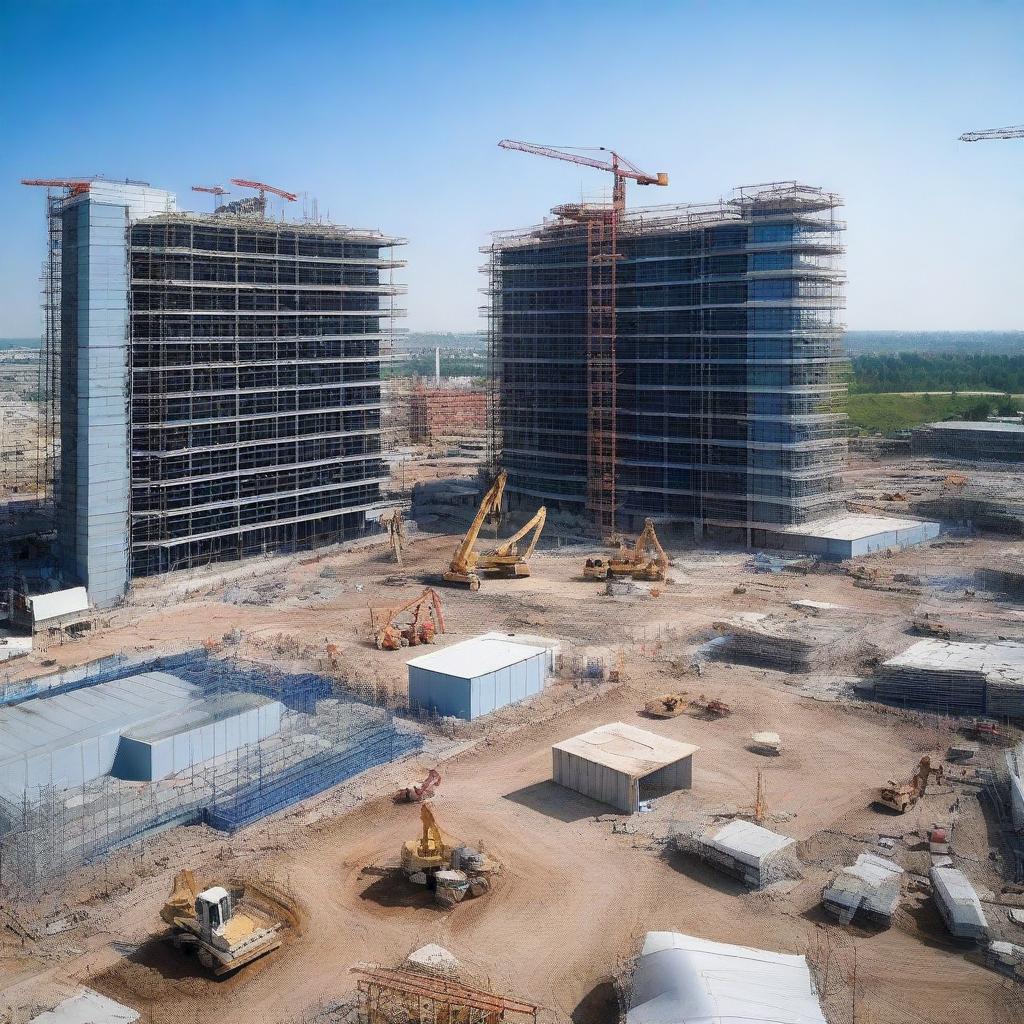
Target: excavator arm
536 524
648 539
464 560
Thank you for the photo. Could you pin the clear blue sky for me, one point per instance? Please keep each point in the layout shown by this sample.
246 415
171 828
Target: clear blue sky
389 114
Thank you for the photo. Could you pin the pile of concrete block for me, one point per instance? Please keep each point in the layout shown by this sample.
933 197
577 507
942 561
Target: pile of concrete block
870 887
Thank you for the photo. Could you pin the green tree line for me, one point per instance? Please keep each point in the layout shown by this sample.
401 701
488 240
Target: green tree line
937 371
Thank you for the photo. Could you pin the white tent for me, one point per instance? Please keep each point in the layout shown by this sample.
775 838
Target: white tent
680 979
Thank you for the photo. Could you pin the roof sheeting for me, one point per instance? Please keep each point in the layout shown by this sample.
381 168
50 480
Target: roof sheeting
88 1007
680 979
746 842
852 527
477 656
59 603
624 748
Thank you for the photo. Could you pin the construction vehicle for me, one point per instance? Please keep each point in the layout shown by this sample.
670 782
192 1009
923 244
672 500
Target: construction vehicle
441 863
425 622
417 792
712 707
900 797
224 932
505 561
985 729
667 705
396 532
646 560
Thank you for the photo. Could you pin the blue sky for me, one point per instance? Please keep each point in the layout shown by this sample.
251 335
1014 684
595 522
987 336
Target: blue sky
389 113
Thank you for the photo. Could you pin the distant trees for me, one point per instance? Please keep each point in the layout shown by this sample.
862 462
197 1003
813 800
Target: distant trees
938 371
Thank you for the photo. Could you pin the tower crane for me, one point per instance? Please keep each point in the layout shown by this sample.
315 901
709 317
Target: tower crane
620 167
78 186
1013 132
214 190
263 188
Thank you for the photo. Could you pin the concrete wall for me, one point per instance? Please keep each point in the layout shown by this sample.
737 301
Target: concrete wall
473 698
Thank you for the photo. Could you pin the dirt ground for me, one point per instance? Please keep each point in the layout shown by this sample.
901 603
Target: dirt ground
579 886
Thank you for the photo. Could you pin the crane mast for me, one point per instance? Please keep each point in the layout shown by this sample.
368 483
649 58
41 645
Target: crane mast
602 232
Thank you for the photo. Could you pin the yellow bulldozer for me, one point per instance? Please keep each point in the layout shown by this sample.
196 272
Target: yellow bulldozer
506 561
646 560
223 929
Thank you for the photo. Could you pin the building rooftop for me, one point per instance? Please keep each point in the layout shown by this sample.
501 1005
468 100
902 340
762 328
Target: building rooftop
959 898
624 748
1002 427
477 656
58 603
1002 659
852 527
214 710
680 979
746 842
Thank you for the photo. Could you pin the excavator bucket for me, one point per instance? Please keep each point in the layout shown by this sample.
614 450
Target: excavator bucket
182 901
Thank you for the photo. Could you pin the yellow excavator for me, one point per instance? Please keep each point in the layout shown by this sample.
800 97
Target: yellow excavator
505 560
645 561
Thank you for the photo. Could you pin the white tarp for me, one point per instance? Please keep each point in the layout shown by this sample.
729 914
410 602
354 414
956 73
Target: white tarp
680 979
88 1007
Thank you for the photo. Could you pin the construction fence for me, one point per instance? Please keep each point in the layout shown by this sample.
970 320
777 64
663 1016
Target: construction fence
326 737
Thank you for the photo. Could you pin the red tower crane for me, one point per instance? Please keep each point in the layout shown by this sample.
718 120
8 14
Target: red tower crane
619 166
214 190
78 186
1013 132
601 224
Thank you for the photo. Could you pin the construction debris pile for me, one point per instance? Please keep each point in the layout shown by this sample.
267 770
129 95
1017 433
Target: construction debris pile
791 645
955 677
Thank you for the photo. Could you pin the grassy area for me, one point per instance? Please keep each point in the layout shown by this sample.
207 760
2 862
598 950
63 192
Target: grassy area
887 413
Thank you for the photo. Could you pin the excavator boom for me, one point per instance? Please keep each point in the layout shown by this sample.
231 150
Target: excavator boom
463 563
389 634
505 560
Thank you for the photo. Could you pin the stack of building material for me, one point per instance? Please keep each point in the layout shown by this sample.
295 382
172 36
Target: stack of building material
754 855
680 979
792 645
956 677
870 887
958 904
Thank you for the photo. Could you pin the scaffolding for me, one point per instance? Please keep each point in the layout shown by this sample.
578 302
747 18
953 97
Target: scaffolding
262 355
440 414
682 362
326 738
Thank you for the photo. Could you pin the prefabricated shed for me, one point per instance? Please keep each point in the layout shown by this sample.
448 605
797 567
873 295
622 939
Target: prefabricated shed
475 677
618 764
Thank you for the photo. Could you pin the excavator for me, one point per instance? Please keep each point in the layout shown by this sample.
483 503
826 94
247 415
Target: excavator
900 797
427 622
645 561
504 561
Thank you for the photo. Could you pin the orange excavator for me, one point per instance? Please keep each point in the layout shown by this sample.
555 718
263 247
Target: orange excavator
424 619
645 561
505 561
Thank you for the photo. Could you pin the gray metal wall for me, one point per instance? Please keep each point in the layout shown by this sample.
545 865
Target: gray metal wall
597 781
473 698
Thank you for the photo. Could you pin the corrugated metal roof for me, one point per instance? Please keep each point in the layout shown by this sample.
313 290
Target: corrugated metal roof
747 842
680 979
624 748
53 722
476 657
852 527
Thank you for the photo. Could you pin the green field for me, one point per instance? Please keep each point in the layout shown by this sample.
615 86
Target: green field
887 413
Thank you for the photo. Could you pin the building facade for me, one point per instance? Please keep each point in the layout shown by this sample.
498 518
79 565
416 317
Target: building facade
727 383
220 383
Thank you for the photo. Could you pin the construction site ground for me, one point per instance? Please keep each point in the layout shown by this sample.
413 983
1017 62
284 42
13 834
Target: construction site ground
580 885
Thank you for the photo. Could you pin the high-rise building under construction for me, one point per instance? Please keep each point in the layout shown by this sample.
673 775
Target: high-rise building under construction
218 380
684 363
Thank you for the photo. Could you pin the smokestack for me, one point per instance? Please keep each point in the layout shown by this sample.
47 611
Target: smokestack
437 365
